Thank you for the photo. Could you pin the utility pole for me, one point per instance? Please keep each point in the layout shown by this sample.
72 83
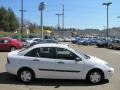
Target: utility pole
58 20
21 32
22 11
62 21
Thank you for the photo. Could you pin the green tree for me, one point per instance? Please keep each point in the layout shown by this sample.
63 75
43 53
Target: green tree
13 23
8 21
4 25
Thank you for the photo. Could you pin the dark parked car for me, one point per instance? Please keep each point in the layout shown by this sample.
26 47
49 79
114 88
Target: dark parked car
103 43
81 42
75 40
87 42
9 44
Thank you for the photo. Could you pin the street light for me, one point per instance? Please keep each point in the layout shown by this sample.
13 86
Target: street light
63 21
62 14
118 16
107 4
41 8
59 20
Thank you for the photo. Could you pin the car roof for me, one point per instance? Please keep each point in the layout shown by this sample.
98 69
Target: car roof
51 45
8 38
35 38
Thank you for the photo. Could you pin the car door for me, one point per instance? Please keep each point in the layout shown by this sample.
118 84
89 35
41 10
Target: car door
3 44
119 44
116 44
41 61
6 44
66 67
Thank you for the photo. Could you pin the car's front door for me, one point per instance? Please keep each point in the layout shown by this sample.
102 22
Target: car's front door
4 44
66 67
1 44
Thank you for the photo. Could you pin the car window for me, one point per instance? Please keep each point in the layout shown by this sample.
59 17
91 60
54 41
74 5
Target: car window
6 41
1 41
33 53
62 53
35 40
116 41
48 52
43 52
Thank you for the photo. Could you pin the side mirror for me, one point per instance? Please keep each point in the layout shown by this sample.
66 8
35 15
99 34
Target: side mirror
78 59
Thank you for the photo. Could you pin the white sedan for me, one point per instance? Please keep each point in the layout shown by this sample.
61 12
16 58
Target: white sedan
56 61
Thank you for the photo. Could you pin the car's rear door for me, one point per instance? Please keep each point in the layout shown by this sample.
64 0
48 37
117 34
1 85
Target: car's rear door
41 61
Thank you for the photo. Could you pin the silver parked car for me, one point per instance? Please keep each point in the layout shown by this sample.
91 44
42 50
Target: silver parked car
115 44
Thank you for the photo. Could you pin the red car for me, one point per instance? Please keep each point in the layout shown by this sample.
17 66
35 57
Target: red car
9 44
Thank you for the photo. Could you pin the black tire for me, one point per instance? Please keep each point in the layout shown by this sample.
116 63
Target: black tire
111 46
93 79
12 48
98 46
29 73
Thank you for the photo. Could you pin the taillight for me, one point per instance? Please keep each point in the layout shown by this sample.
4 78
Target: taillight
8 61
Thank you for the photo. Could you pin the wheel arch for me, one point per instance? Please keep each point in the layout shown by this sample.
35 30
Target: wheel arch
22 68
12 46
95 69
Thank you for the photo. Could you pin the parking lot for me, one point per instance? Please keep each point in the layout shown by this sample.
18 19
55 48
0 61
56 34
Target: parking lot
10 82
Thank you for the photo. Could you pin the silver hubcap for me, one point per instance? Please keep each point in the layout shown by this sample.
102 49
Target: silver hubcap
26 76
95 77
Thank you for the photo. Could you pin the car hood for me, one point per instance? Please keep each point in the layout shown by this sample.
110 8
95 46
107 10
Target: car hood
97 60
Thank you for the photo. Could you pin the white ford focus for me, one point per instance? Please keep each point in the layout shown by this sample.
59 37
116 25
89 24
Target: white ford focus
56 61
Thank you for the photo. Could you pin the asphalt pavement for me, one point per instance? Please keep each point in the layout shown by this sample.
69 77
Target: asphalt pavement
10 82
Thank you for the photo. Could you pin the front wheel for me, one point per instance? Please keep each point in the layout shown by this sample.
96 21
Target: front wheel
95 77
26 75
12 48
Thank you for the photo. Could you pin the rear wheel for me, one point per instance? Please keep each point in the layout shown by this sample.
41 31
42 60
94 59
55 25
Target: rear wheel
12 48
95 76
26 75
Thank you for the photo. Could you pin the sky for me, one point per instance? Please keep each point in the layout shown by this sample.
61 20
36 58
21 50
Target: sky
82 14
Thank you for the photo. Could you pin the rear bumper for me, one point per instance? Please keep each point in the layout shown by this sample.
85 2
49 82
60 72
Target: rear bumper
10 69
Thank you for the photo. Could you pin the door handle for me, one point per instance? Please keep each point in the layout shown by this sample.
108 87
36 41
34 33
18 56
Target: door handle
36 60
60 62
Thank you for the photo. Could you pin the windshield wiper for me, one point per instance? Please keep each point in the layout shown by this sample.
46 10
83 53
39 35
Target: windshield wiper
88 57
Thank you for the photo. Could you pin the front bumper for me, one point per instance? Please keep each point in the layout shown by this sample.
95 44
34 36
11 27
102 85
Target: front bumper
109 73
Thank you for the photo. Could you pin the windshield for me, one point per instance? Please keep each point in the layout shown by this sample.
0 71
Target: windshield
23 50
80 53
